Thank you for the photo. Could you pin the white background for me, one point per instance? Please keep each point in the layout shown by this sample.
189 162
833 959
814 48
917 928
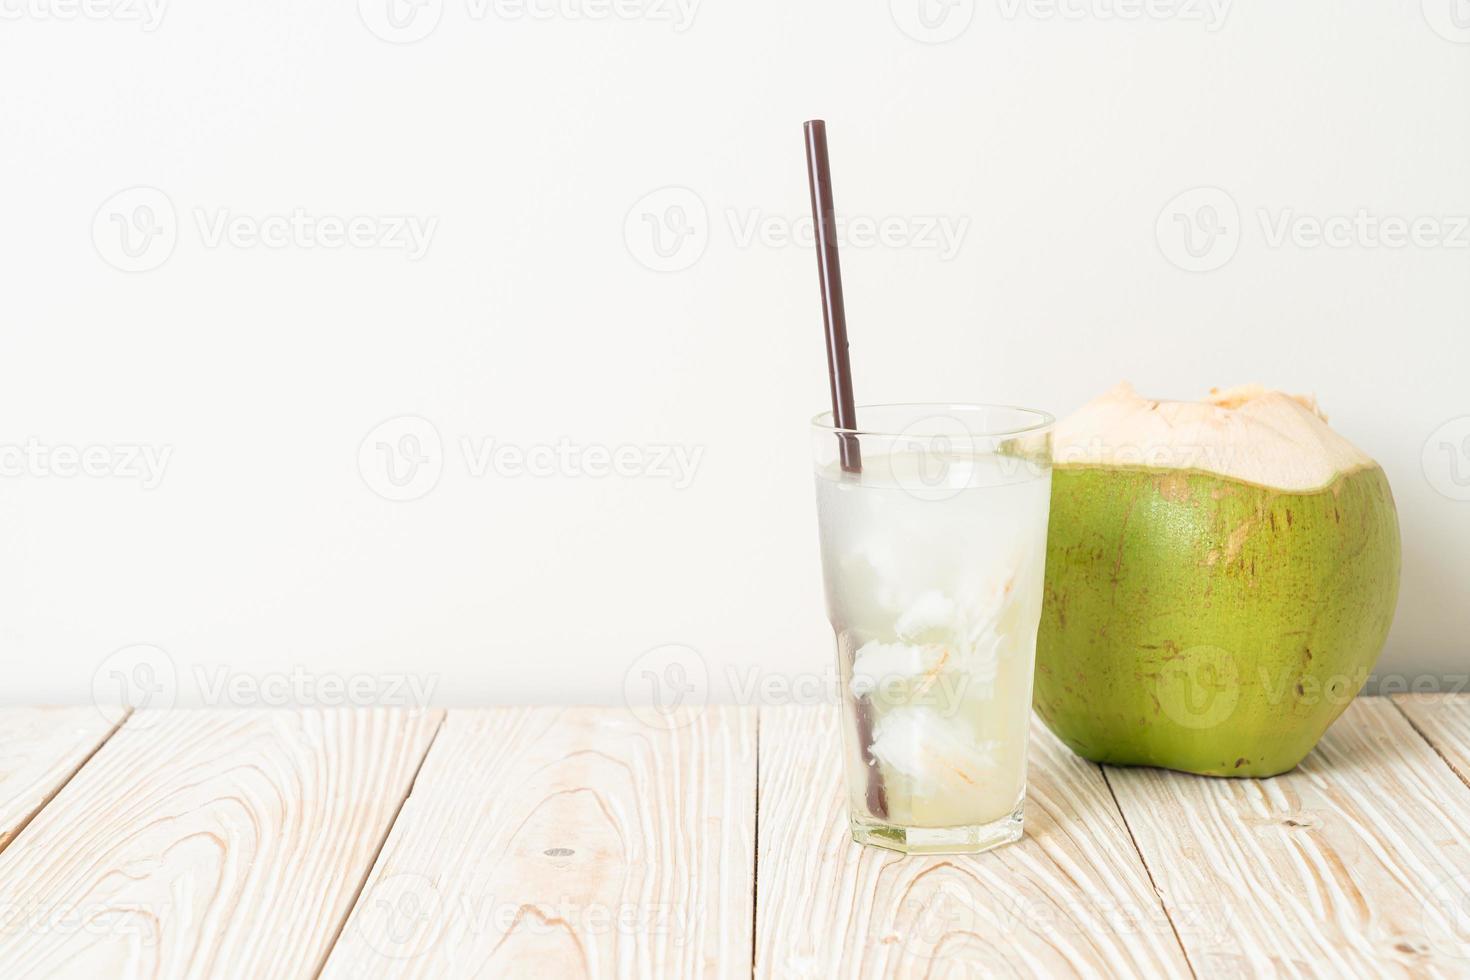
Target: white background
1057 139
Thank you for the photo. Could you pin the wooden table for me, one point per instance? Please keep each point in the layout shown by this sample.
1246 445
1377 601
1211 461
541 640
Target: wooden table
555 842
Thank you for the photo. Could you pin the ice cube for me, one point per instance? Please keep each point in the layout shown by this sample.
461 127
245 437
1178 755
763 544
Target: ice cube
878 663
931 611
938 755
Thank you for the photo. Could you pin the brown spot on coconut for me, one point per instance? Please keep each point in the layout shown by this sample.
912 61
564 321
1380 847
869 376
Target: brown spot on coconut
1306 527
1174 487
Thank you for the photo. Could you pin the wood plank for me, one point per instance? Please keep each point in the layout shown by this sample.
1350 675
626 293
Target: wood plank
1354 864
560 842
40 749
208 843
1071 898
1444 720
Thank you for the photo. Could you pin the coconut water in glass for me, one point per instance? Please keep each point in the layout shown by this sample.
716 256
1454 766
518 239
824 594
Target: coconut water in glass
933 537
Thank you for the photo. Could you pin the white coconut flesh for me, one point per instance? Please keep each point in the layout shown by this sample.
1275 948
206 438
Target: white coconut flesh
1247 433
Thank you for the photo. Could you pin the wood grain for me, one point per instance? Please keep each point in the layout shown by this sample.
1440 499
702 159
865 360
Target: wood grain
40 749
567 842
1354 864
1444 720
208 843
1071 898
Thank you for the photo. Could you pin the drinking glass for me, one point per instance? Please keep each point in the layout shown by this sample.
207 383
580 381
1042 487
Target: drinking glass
933 537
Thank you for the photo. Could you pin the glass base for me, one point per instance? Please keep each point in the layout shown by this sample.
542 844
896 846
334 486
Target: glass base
968 839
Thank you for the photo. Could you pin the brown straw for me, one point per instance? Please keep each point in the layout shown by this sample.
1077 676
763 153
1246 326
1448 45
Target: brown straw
834 311
839 372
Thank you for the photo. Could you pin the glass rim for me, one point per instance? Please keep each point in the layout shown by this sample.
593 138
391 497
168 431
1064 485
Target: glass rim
822 421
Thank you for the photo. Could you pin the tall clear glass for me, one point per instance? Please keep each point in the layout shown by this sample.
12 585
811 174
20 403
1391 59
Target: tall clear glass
933 530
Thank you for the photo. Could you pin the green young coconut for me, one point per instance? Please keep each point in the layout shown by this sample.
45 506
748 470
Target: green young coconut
1220 579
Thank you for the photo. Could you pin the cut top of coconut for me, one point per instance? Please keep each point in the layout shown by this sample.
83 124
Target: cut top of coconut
1247 433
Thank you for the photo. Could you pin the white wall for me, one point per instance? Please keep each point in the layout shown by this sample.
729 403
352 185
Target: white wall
533 316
